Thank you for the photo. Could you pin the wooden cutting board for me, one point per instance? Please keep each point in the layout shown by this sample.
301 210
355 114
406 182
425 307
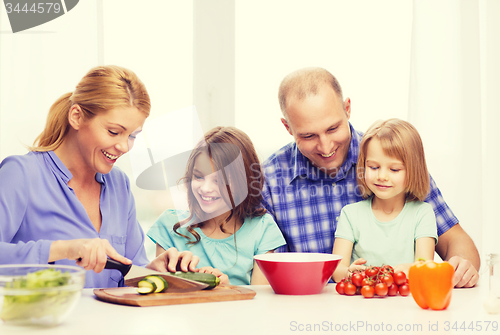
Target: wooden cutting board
129 296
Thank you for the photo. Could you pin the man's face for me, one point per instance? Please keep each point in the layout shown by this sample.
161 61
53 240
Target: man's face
320 127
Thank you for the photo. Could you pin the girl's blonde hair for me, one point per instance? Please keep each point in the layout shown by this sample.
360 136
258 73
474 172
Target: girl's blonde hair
399 139
244 186
102 89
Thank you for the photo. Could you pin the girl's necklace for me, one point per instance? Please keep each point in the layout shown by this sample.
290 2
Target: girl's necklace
383 209
388 212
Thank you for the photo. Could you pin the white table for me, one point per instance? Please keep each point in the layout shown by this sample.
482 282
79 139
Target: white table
269 313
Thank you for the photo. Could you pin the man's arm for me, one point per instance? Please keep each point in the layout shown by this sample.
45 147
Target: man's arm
456 247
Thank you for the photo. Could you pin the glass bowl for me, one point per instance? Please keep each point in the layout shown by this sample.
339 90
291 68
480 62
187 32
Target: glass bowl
39 294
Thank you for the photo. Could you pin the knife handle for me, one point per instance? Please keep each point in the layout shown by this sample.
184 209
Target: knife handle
115 265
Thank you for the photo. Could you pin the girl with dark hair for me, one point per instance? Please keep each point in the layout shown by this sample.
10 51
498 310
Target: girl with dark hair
225 225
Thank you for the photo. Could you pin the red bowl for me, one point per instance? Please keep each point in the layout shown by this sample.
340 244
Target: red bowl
297 273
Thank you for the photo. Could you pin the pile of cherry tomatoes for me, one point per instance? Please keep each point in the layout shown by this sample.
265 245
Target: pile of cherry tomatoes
381 281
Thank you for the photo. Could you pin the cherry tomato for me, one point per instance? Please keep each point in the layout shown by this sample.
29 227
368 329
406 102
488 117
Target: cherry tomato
399 278
368 291
357 279
387 280
381 289
349 289
387 269
340 287
404 290
367 282
393 290
372 271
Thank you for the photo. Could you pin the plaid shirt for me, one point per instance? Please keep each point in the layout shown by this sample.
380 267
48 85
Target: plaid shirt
306 203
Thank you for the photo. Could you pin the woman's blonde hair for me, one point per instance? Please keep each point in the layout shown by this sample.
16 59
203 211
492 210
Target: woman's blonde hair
102 89
399 139
224 145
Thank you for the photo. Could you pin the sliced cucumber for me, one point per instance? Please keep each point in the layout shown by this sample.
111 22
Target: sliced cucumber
144 290
161 283
146 286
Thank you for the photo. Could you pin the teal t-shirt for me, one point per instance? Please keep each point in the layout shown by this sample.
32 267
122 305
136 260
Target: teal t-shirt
391 242
256 236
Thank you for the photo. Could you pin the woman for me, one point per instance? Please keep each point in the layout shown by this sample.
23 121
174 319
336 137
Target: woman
63 201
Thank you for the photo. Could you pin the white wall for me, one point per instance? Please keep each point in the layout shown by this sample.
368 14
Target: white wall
365 44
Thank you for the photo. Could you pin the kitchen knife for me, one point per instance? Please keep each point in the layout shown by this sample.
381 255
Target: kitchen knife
133 274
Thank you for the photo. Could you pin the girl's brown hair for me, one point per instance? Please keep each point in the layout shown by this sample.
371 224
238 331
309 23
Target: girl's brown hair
399 139
224 146
102 89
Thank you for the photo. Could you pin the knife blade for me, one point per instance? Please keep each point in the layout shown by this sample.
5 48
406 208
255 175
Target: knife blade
132 274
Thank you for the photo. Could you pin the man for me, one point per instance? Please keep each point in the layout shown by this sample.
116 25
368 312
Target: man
309 180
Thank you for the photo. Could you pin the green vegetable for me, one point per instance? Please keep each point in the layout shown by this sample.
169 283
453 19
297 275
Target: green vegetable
161 283
146 286
206 278
21 303
152 284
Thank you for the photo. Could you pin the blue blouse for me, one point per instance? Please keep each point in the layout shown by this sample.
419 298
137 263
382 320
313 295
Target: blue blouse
256 236
38 207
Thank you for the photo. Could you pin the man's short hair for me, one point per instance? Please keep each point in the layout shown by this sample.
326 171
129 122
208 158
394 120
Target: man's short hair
305 82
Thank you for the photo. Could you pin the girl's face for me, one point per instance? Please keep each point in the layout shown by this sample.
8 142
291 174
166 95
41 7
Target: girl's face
107 136
385 176
205 187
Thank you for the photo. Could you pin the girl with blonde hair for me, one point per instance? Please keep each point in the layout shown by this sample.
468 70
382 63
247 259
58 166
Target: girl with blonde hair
393 225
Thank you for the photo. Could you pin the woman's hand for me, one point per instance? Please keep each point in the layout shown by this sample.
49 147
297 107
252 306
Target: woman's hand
224 279
90 254
172 260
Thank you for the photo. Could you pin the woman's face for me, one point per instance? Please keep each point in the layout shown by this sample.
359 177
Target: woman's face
107 136
205 187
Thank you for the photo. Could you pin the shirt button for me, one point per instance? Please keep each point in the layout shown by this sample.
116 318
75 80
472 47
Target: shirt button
337 218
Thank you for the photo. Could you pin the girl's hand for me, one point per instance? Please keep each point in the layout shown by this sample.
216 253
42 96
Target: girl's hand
224 279
404 268
172 260
357 265
90 254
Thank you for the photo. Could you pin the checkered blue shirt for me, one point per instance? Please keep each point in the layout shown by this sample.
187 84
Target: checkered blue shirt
306 203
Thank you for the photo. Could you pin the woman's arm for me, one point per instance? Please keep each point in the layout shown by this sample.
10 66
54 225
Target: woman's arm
91 254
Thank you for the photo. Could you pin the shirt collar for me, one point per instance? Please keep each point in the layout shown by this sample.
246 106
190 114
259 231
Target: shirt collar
58 166
60 169
303 168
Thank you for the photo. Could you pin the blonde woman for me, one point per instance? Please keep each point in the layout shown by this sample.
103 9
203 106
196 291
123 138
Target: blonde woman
64 202
393 225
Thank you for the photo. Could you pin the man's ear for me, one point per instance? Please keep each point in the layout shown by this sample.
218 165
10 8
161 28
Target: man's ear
286 126
347 108
75 117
